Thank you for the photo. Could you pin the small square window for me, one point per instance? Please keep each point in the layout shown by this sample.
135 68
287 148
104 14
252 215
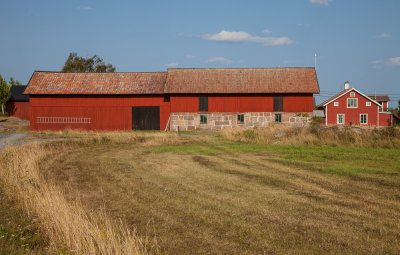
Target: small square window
336 103
352 94
240 118
368 104
278 117
203 119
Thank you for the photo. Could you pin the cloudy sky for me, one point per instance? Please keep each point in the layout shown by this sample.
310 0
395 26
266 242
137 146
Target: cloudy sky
355 40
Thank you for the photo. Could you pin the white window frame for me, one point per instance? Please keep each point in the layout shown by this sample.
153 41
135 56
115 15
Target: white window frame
368 104
366 118
337 119
355 99
336 104
352 94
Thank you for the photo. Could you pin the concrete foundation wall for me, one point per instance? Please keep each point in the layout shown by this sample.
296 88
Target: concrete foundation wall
217 121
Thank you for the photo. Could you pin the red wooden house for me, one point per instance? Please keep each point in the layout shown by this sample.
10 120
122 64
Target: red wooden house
351 107
18 104
184 98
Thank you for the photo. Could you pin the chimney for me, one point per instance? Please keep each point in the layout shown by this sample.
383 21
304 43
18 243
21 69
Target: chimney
346 85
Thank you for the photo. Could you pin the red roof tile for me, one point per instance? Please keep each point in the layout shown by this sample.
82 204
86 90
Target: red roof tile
381 98
239 80
242 80
96 83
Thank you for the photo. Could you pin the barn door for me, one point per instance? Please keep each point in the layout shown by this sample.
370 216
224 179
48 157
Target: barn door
146 118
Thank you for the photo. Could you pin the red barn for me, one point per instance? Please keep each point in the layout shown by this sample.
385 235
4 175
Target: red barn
18 104
184 98
351 107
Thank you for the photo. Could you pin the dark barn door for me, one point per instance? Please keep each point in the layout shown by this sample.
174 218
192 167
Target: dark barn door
146 117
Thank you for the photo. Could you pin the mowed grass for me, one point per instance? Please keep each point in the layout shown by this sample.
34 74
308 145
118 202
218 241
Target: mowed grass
213 196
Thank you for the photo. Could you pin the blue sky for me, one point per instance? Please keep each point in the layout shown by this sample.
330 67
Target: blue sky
355 40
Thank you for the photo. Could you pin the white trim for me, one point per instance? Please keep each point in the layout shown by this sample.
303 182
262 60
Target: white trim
336 104
352 98
326 116
352 94
366 118
352 89
337 119
367 103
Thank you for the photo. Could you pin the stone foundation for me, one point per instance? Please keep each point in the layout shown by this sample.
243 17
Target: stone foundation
217 121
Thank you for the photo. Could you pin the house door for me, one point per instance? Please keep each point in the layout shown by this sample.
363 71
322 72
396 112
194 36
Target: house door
146 118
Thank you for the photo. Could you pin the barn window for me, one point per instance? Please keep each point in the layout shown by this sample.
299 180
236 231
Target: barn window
368 104
363 118
203 104
278 117
336 103
352 102
278 104
203 119
340 119
240 118
352 94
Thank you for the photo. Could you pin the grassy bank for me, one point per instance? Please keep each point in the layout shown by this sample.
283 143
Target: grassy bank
211 195
317 135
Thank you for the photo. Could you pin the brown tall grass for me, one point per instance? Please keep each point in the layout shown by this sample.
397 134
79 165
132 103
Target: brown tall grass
67 225
317 135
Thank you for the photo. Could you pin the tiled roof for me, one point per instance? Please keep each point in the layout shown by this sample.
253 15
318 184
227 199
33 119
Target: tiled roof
16 94
242 80
381 98
239 80
96 83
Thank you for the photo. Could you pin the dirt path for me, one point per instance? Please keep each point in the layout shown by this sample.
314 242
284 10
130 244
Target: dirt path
12 139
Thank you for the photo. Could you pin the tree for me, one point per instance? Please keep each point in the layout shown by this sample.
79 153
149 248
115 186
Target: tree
95 64
5 91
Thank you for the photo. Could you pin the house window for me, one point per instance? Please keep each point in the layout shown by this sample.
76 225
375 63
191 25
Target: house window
278 117
352 102
203 119
240 118
203 104
278 104
368 103
352 94
363 118
340 119
336 103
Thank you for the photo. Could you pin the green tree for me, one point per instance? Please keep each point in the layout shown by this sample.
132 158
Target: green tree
13 82
77 64
4 93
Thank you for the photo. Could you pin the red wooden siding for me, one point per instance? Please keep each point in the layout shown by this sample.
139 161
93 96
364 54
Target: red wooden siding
242 103
352 115
106 112
385 120
18 109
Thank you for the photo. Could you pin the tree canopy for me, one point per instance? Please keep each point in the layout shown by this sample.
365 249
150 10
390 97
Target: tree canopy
94 64
5 90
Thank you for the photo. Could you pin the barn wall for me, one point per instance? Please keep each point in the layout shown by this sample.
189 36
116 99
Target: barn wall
18 109
242 103
105 112
385 119
352 115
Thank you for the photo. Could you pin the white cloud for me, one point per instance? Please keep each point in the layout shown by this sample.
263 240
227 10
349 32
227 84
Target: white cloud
241 36
171 65
390 62
189 56
220 59
267 31
180 34
320 1
394 61
384 35
85 8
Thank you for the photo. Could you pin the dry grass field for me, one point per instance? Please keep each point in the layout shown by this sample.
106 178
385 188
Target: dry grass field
216 194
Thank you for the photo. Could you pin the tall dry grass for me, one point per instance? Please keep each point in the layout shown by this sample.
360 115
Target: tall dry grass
317 135
67 225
